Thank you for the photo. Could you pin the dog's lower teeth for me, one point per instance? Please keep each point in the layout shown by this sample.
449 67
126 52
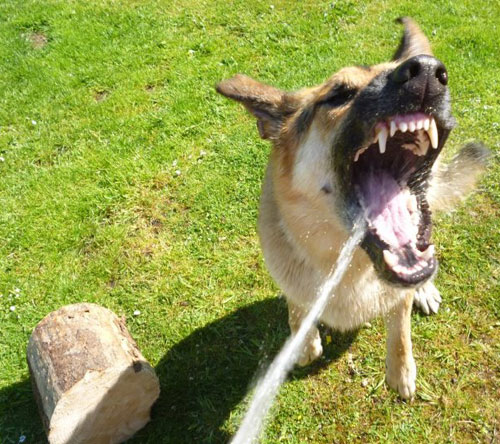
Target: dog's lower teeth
425 260
428 253
398 269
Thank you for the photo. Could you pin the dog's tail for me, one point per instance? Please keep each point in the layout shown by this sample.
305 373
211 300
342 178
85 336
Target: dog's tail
452 182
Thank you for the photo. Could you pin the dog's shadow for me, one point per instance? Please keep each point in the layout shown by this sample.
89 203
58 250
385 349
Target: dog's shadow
206 375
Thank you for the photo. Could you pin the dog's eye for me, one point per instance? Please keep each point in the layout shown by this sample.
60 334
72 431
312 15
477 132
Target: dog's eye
339 96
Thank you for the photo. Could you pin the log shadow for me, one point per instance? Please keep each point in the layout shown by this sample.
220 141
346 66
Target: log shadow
19 415
207 374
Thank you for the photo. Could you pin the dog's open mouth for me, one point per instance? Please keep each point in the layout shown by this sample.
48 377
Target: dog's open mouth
390 180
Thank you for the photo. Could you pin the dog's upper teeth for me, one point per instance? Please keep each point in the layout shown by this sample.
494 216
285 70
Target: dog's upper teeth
419 146
382 139
394 128
390 258
433 133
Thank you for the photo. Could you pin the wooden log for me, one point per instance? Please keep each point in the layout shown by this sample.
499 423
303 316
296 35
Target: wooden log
91 382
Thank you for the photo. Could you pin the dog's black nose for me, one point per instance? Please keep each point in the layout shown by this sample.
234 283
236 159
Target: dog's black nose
422 72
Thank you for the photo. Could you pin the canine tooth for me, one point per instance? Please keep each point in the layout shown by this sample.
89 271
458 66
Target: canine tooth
403 127
411 126
420 124
394 128
391 259
426 124
433 133
429 253
382 139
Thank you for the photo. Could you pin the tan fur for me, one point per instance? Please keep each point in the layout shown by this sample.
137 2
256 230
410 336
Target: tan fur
300 230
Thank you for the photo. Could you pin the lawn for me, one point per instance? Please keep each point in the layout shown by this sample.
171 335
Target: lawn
128 182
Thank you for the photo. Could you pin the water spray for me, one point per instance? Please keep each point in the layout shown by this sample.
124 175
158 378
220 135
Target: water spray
268 387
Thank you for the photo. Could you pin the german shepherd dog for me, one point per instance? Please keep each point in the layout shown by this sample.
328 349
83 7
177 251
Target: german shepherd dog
366 141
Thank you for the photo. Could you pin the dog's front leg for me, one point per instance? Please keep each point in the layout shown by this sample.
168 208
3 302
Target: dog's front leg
401 371
312 345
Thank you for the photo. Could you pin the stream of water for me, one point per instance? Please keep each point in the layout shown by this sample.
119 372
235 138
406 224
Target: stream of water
268 387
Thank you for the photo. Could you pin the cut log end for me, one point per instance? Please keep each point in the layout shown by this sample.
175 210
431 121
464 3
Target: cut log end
91 382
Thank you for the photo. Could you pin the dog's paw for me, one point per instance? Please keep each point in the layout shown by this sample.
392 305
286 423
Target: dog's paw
401 378
427 298
312 349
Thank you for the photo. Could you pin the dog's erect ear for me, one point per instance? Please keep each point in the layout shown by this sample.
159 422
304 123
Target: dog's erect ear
268 104
414 42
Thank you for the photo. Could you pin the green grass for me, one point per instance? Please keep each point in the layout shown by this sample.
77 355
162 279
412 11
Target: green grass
101 102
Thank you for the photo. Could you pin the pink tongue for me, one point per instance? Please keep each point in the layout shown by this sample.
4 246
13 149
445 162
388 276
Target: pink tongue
386 208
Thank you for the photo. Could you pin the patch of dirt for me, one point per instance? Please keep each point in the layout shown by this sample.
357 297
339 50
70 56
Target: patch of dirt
100 95
38 40
157 225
